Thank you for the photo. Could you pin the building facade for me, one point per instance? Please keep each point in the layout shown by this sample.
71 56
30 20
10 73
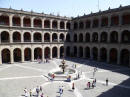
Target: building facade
27 36
102 36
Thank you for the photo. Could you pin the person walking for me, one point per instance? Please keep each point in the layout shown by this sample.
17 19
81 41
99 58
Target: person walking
106 81
42 95
73 87
41 88
25 90
95 82
30 92
37 91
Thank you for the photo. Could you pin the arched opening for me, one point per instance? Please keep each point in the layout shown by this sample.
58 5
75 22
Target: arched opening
113 55
68 25
95 23
4 37
68 38
16 21
126 19
103 54
95 37
37 23
16 37
62 25
5 56
54 37
54 52
104 21
114 20
103 37
80 52
81 25
75 37
114 37
61 37
46 24
125 54
88 24
68 51
27 22
87 52
54 24
80 37
47 52
46 37
37 37
95 53
75 25
27 37
61 52
126 36
17 55
37 53
75 51
27 54
87 37
4 20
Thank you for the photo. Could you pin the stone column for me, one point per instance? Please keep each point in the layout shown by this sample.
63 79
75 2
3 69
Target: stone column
32 55
109 21
120 19
100 21
22 55
91 37
42 37
10 20
119 37
11 56
91 25
0 57
99 37
50 37
118 56
108 38
58 52
65 25
22 37
31 36
43 54
99 54
58 37
51 24
43 23
11 36
50 53
108 56
58 24
22 17
32 24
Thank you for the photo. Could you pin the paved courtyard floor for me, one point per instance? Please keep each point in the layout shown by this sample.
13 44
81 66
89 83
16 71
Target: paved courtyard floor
15 77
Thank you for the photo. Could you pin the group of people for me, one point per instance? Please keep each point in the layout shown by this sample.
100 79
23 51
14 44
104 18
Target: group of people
93 84
39 92
61 90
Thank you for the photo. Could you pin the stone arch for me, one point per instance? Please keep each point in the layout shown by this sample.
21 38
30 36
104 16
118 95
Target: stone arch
75 37
87 37
5 36
16 20
95 53
125 56
27 22
61 37
46 37
17 54
37 22
80 37
104 21
61 51
37 37
114 37
62 25
27 37
114 20
68 25
75 25
16 37
87 52
47 52
38 53
104 37
47 24
27 54
4 20
95 37
95 23
125 36
54 37
113 55
103 54
54 24
5 55
125 18
80 51
81 25
54 52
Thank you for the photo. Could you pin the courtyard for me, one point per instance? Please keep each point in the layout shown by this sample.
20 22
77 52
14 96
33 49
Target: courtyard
15 77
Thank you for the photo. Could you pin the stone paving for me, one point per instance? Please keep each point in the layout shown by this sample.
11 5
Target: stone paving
15 77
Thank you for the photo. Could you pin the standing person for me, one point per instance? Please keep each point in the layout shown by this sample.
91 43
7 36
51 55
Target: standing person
62 88
25 90
30 92
42 95
37 91
73 87
41 88
95 82
106 81
26 94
